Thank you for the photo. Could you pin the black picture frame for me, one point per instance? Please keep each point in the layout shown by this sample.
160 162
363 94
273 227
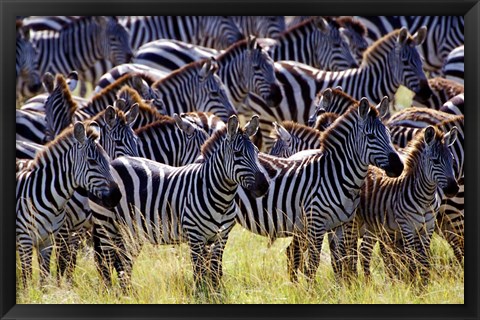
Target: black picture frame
9 9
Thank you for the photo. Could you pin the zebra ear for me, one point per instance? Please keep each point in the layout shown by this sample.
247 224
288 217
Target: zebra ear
132 114
327 98
429 135
110 116
451 136
402 36
339 88
322 24
252 126
363 108
382 107
79 132
252 42
137 83
205 70
420 35
232 126
120 104
47 80
282 133
72 80
183 124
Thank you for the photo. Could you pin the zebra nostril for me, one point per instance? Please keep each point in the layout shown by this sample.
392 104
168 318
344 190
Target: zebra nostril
395 165
451 188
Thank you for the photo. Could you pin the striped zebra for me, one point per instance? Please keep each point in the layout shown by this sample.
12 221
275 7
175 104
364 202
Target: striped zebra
456 105
392 61
450 218
260 26
74 159
403 209
442 91
352 29
193 204
445 33
174 141
243 68
453 67
317 42
314 193
26 64
218 32
195 87
80 44
291 137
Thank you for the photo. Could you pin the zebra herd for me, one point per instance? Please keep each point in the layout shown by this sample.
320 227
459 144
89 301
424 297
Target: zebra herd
285 126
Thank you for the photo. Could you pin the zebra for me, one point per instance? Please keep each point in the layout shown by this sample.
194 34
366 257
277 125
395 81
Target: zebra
445 33
314 193
260 26
195 87
352 29
26 64
450 217
292 137
218 32
74 159
403 209
193 203
453 67
442 91
317 42
174 141
243 67
392 61
456 105
80 44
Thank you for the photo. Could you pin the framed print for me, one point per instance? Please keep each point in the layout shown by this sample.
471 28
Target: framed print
198 258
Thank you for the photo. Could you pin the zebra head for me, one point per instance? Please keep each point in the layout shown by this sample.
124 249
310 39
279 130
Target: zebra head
283 145
92 170
218 32
59 105
355 34
439 160
407 64
117 136
261 74
26 62
212 95
332 51
241 157
116 40
194 135
376 147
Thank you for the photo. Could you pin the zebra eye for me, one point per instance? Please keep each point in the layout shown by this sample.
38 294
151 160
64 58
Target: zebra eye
256 68
91 162
215 93
370 136
436 161
237 153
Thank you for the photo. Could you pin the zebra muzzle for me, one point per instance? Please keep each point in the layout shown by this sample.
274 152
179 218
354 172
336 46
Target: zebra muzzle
109 198
451 188
395 165
275 96
424 91
260 187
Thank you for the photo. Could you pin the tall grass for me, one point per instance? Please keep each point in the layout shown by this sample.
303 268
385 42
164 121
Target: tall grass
253 274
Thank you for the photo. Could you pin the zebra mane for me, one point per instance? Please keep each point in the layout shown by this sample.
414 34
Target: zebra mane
241 44
62 82
415 148
212 144
66 136
384 43
304 24
450 87
325 120
194 65
163 121
351 115
356 25
300 130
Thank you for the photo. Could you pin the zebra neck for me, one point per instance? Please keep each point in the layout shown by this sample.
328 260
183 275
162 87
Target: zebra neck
215 182
423 187
298 45
230 65
57 184
377 84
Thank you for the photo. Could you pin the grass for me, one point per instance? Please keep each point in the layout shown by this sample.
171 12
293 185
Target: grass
253 274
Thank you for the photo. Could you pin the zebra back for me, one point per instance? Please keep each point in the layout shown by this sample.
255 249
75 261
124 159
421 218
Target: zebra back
195 87
442 91
454 65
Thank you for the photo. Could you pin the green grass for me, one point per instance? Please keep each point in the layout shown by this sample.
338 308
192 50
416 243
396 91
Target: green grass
253 274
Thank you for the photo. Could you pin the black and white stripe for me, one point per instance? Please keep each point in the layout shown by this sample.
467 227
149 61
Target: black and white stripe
26 64
454 65
193 203
260 26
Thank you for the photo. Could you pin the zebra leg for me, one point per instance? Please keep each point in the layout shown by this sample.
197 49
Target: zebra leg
25 251
423 249
216 269
104 254
366 249
315 239
350 239
198 254
294 254
68 244
337 251
123 262
44 255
